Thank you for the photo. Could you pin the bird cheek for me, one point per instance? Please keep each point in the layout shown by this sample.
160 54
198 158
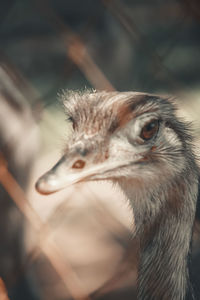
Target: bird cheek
143 159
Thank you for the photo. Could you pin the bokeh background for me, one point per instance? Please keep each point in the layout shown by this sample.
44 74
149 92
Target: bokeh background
77 243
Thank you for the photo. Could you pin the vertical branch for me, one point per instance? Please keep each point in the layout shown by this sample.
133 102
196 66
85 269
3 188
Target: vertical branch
3 292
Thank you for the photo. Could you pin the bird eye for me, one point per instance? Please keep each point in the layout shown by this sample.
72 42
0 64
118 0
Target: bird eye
79 164
149 130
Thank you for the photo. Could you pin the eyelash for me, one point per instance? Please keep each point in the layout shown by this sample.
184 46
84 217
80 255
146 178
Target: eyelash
71 120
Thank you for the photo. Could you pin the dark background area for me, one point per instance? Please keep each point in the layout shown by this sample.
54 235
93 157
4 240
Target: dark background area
139 45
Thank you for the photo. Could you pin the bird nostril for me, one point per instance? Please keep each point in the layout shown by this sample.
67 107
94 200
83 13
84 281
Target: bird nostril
79 164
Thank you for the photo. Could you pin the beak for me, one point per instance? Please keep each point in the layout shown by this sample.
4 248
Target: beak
63 174
59 177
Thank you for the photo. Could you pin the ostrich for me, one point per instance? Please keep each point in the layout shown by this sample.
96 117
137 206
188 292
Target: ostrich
135 140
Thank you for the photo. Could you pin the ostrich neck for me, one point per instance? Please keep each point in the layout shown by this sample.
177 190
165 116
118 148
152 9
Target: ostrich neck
163 270
164 229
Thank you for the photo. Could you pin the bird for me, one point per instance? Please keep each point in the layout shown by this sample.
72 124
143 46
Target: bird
137 141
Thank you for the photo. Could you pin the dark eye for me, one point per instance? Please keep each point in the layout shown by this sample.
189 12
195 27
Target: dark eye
149 130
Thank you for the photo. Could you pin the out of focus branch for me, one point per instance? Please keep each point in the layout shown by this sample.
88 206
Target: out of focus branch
63 269
119 12
76 49
3 292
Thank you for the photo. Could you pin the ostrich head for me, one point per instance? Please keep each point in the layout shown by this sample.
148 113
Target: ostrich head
135 140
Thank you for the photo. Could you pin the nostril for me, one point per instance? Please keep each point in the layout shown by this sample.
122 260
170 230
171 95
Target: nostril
79 164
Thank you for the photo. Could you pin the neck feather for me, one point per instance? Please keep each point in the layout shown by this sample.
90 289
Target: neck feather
164 222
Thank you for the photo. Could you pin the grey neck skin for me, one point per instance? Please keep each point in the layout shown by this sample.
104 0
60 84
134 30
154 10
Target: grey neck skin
164 222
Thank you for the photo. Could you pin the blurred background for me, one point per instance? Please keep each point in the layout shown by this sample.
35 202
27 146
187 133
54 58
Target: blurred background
77 243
